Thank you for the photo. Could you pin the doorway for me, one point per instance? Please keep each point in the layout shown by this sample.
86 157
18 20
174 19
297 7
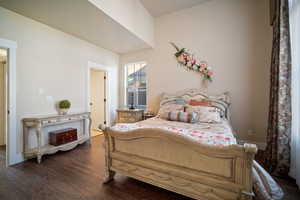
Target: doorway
97 100
3 105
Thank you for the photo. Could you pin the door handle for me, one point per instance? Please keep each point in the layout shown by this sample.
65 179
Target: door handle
91 104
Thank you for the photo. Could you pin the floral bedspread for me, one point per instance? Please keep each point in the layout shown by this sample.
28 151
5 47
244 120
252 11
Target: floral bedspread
219 134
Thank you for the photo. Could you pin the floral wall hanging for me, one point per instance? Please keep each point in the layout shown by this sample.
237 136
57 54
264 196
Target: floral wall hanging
187 60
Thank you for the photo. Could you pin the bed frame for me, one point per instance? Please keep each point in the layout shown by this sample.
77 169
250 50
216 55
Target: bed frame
179 164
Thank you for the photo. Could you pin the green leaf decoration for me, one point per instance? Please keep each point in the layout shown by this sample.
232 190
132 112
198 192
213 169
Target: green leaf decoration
174 45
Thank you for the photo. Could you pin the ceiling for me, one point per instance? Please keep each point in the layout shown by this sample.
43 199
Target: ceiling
81 19
161 7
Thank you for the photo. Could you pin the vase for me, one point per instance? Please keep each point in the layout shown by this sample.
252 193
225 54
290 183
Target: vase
63 111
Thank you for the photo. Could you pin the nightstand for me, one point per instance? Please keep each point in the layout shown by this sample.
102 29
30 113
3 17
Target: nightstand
130 116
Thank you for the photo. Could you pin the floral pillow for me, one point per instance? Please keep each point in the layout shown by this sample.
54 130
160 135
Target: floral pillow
206 114
165 109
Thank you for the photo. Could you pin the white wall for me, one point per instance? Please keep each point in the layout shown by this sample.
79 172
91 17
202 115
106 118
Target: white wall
234 36
130 14
51 66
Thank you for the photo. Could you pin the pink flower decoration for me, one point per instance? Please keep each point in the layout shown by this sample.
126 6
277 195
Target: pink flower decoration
203 64
187 60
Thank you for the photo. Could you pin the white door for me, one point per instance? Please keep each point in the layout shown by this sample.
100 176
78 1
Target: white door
97 88
2 103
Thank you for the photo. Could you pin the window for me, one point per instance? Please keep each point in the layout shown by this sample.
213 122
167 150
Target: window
136 85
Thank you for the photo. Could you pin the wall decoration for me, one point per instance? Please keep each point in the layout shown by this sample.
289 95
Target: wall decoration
187 60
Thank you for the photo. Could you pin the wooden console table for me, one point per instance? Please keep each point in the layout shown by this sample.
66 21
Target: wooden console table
38 123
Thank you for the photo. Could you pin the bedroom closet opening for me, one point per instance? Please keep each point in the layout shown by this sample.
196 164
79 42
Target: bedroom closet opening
3 127
97 100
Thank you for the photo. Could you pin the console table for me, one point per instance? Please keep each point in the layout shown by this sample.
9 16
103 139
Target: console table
39 123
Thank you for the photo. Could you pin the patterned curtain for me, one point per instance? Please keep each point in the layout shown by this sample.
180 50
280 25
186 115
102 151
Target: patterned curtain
277 158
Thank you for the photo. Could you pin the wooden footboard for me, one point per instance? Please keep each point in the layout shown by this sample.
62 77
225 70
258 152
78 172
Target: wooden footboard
179 164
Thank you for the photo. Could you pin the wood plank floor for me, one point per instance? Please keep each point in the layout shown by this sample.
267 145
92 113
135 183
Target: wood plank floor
2 156
77 175
74 175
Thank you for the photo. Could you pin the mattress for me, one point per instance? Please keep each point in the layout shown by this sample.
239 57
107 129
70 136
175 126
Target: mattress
219 134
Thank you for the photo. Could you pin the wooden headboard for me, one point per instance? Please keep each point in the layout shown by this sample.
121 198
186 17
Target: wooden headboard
221 101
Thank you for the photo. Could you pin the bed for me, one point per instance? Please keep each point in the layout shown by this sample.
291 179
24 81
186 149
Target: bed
179 157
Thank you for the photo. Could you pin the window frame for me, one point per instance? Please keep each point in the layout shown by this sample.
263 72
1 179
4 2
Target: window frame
295 50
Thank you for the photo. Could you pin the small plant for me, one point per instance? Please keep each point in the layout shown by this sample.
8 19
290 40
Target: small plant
64 104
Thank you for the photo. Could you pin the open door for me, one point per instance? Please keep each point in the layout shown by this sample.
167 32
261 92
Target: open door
97 99
3 120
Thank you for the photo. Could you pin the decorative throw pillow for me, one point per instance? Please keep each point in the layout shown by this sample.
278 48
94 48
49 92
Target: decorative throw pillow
222 105
206 114
173 115
194 102
165 109
181 116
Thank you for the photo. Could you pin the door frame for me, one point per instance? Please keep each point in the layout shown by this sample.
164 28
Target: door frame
12 138
90 66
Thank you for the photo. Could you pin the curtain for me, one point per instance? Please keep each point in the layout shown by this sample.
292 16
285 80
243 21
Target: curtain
295 47
277 155
273 11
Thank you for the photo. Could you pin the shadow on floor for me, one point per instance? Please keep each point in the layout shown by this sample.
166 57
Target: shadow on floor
2 156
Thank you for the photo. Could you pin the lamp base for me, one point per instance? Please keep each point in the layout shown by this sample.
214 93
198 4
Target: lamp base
131 107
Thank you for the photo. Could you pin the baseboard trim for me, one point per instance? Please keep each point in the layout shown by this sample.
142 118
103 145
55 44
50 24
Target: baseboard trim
16 159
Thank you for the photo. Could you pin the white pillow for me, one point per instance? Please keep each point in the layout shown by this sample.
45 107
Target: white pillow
206 114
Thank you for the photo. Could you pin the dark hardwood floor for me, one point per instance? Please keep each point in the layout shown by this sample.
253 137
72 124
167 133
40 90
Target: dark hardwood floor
74 175
77 175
